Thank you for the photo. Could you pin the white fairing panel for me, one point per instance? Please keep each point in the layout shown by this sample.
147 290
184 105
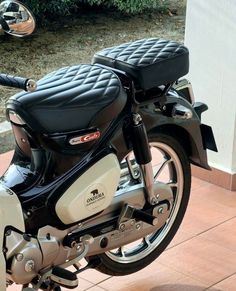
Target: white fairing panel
90 193
10 215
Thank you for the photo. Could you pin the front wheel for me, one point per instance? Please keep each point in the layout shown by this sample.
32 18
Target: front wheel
171 166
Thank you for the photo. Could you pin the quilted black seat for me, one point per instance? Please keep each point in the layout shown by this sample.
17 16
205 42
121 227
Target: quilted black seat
71 98
151 62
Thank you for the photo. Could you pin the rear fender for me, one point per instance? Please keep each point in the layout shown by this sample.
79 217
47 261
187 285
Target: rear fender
10 216
187 131
195 151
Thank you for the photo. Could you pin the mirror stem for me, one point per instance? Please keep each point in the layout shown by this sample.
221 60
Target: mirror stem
4 25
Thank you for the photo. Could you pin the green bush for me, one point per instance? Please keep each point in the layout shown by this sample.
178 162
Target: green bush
129 6
46 9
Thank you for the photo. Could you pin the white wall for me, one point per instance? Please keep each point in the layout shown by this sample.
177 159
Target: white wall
211 39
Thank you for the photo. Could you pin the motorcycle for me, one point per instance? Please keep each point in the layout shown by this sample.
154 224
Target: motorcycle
101 169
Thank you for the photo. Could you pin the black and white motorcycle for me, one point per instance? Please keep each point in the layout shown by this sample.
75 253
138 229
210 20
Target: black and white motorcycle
101 169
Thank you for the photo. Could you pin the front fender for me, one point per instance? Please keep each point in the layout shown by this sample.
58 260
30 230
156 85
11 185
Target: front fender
10 215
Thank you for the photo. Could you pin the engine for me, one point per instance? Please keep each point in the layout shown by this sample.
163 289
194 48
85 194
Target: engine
27 255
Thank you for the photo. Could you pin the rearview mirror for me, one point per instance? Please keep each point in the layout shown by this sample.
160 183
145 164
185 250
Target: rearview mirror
16 19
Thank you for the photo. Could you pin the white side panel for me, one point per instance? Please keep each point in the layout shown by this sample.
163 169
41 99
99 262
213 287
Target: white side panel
10 214
90 193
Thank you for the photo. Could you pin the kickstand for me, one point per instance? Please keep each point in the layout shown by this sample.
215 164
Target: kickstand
92 264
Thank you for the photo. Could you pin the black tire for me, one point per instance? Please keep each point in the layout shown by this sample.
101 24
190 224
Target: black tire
53 287
57 288
114 266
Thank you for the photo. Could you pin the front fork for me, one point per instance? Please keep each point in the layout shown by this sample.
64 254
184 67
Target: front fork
143 155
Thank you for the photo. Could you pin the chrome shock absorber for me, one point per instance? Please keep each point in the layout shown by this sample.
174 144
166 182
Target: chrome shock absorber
143 155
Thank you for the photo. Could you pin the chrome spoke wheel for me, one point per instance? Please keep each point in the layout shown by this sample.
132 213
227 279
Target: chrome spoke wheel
167 168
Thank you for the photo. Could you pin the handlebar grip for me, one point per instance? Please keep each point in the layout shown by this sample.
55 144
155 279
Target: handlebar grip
18 82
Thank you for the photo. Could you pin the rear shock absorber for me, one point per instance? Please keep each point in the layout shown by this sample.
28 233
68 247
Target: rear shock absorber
143 155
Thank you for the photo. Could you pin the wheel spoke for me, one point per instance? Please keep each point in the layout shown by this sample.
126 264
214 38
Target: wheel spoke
147 241
121 251
172 184
162 166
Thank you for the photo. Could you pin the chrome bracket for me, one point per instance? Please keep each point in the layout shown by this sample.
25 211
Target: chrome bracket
148 179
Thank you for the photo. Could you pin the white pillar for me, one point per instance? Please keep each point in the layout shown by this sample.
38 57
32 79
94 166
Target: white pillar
211 39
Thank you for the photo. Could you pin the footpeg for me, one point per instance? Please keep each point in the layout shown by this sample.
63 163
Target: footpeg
129 212
145 217
64 278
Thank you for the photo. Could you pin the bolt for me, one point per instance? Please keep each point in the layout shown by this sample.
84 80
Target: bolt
87 239
29 266
78 247
137 118
160 210
154 201
132 222
138 226
19 257
122 227
74 244
189 115
26 237
8 232
136 174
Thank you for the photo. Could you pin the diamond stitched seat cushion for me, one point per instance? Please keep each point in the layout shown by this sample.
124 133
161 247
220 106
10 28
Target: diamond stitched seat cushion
71 98
151 62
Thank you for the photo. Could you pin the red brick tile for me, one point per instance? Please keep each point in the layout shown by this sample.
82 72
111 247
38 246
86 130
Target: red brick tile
201 259
155 277
228 284
218 195
223 235
198 183
94 276
180 237
208 207
96 288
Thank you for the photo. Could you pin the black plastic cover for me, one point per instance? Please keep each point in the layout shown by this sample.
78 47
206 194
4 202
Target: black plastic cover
151 62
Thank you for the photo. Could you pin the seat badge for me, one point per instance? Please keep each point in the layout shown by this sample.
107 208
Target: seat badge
84 138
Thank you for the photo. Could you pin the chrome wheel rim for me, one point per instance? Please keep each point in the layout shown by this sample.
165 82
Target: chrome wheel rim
167 168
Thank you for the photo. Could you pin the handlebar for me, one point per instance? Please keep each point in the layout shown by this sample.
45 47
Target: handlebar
18 82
